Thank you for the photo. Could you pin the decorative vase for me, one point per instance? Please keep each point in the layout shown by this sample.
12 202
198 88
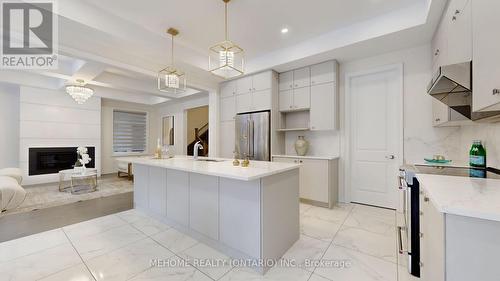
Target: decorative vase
301 146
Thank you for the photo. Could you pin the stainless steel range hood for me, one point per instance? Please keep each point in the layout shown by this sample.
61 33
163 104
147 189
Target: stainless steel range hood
452 85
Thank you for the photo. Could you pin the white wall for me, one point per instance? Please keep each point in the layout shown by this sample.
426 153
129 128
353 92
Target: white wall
51 118
321 143
9 126
108 160
178 110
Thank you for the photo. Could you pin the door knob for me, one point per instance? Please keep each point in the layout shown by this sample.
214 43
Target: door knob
390 157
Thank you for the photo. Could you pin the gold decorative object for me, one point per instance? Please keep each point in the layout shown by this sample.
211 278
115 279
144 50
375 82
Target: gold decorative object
226 59
246 161
236 162
171 79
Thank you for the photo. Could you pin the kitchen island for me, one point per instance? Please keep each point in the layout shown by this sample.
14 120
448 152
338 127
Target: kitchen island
247 213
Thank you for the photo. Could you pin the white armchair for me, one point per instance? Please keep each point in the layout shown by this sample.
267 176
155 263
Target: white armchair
11 193
15 173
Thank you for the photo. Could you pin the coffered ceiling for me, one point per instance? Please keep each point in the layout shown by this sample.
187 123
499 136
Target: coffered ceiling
119 45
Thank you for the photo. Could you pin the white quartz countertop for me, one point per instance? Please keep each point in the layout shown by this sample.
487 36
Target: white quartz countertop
307 157
463 196
225 168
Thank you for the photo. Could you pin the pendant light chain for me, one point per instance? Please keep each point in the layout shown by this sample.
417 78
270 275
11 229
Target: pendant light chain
225 19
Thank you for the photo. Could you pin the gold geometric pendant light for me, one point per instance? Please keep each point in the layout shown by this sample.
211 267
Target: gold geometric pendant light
226 59
171 79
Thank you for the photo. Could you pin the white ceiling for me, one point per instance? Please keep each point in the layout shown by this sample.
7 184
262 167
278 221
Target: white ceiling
119 45
254 24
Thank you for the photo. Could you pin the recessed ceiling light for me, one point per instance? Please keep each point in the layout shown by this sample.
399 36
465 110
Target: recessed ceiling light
284 30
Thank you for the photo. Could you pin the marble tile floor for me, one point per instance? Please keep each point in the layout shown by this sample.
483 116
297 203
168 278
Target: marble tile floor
349 242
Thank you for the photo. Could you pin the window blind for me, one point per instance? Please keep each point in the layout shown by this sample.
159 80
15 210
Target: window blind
129 132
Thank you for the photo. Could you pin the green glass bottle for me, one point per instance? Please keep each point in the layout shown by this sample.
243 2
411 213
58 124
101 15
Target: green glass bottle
477 155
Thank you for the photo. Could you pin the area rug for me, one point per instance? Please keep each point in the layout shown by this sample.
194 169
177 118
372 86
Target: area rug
48 195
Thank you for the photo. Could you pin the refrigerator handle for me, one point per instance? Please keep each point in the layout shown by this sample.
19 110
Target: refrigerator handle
248 137
252 130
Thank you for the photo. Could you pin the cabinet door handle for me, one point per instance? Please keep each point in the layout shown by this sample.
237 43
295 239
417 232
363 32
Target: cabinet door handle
437 52
438 119
290 106
426 199
496 91
300 161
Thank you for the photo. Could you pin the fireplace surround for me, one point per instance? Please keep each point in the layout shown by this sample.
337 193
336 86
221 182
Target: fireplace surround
50 160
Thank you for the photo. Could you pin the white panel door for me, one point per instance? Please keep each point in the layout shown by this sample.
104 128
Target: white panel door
204 204
286 81
227 136
302 77
261 81
302 98
375 135
178 196
227 108
244 102
261 100
323 73
323 107
486 62
286 100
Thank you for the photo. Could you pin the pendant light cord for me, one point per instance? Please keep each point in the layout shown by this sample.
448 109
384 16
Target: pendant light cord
172 50
225 19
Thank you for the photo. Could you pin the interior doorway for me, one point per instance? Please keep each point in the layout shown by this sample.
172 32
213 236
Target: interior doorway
197 129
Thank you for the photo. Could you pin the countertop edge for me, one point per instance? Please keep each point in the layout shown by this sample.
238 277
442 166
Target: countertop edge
307 157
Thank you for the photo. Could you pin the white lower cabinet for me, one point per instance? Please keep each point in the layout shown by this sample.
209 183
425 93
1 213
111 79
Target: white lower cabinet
204 204
432 241
178 196
158 190
141 186
240 215
318 179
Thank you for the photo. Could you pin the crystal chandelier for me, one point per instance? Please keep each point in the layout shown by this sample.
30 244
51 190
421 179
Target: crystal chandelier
80 93
170 79
226 59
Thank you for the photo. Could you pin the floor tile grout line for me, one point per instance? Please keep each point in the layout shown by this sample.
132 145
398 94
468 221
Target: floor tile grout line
180 257
23 256
331 242
78 253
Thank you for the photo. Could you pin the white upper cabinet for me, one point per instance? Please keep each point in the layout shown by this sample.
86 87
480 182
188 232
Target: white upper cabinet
439 46
302 77
286 100
312 89
227 108
244 85
286 81
261 81
323 73
486 55
228 89
459 17
302 98
254 92
323 107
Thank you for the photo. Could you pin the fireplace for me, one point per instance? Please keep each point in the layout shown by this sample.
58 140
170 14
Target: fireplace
51 160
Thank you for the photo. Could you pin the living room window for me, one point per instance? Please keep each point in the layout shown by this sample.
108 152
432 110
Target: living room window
129 132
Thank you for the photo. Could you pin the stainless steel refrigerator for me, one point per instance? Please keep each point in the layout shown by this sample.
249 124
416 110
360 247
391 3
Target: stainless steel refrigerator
253 135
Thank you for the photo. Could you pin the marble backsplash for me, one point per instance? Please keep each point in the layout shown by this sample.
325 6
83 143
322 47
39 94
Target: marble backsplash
455 143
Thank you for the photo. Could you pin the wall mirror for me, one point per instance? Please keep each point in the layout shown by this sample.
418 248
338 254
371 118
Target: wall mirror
168 130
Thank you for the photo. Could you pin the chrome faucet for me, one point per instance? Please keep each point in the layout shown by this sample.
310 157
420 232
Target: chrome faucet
197 146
